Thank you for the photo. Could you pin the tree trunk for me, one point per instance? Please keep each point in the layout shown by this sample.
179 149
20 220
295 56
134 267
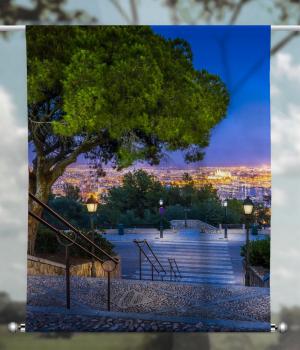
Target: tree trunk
41 189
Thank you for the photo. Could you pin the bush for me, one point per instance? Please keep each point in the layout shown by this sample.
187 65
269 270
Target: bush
259 253
47 243
101 241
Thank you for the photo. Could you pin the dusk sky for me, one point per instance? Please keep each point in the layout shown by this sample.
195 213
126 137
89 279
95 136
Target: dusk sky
240 55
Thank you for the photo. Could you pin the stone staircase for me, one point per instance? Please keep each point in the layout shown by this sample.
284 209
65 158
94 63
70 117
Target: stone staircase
205 262
202 226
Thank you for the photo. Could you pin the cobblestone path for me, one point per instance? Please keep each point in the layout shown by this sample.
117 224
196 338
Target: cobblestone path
145 306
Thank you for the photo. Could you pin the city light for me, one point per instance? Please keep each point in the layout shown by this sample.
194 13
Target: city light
230 182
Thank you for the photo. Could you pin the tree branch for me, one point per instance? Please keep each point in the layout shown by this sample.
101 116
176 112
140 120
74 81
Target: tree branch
135 18
121 10
237 10
60 166
283 42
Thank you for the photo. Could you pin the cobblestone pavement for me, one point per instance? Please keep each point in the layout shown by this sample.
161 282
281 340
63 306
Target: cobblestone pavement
145 306
81 323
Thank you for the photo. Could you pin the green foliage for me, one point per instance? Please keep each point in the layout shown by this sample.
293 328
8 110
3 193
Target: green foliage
259 252
74 212
54 11
209 211
46 241
139 191
72 192
117 95
235 212
135 203
10 310
175 212
126 82
101 241
263 215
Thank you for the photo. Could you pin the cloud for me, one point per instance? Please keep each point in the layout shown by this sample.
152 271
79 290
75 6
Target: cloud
285 77
286 140
275 91
13 206
279 197
286 67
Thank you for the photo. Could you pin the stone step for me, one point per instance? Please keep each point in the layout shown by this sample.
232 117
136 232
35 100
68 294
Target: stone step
217 244
198 262
195 269
195 251
192 259
189 279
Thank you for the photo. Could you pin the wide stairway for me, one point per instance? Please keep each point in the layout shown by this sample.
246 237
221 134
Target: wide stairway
205 262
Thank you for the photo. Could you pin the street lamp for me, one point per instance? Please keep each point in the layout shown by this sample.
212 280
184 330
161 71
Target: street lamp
185 216
161 213
225 204
108 266
248 208
91 205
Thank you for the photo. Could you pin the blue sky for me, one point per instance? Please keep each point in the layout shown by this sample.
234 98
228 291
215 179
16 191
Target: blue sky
240 55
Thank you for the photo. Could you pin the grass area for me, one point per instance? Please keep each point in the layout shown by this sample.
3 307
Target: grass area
245 341
121 341
109 341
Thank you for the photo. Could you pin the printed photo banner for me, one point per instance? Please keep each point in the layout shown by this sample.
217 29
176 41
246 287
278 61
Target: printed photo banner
150 178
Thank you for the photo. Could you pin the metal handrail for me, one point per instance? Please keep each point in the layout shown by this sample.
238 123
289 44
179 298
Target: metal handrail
174 270
141 250
146 256
71 227
155 257
60 233
71 242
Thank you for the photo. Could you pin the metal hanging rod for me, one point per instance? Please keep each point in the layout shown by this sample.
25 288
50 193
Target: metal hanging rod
289 28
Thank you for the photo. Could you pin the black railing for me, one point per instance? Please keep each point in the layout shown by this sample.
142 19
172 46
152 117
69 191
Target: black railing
109 264
174 270
159 269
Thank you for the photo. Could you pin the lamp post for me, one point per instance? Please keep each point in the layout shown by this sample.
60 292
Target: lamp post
108 266
186 210
91 205
185 217
248 208
161 213
225 204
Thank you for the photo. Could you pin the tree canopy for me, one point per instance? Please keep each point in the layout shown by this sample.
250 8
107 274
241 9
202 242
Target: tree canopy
125 90
115 94
136 202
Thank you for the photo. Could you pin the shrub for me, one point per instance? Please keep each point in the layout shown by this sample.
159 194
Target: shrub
259 253
101 241
47 243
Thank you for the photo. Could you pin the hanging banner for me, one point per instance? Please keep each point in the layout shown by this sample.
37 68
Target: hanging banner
149 178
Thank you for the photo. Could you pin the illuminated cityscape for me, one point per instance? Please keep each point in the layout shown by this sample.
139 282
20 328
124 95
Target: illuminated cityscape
231 182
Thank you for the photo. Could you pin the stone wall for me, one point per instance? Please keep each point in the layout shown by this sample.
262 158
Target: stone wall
84 270
138 230
39 266
194 224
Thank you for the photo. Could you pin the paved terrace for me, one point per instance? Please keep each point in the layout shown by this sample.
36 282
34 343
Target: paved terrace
145 306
